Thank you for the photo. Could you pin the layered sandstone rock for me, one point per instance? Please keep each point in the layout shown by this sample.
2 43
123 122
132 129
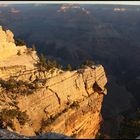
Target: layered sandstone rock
64 102
11 62
68 103
7 45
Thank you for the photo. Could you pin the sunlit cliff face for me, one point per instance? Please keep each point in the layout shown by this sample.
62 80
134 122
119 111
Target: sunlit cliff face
47 100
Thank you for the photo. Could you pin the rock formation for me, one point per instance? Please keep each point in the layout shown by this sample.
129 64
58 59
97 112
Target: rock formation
33 101
7 45
9 52
5 134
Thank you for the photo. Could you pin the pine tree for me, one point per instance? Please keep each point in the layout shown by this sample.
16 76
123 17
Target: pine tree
69 68
33 47
89 63
43 61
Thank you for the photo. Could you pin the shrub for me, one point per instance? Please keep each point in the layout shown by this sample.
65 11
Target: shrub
19 52
47 122
10 84
7 116
53 64
89 63
18 87
75 104
22 117
19 42
48 64
69 68
29 51
42 62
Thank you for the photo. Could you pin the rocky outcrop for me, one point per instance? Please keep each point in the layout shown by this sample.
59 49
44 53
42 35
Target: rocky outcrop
68 103
5 134
7 44
14 59
64 102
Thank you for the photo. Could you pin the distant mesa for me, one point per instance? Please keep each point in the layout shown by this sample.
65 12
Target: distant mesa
120 9
13 10
3 5
66 7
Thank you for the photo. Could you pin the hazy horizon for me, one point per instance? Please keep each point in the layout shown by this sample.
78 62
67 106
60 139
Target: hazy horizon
74 2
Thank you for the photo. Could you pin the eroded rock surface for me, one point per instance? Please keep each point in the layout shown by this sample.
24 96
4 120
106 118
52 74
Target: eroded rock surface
5 134
64 102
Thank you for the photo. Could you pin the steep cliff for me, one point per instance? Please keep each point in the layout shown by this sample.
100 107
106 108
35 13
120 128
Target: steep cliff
33 101
12 55
7 44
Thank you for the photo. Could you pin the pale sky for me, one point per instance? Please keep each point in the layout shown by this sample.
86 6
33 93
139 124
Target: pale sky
79 2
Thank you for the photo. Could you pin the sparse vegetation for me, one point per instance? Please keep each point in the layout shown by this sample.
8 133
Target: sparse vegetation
18 87
47 64
42 62
47 122
22 117
19 42
19 52
29 51
69 68
7 116
86 63
89 63
9 85
75 104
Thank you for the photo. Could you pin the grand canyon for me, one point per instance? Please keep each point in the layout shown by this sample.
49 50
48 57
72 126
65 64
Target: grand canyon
84 101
